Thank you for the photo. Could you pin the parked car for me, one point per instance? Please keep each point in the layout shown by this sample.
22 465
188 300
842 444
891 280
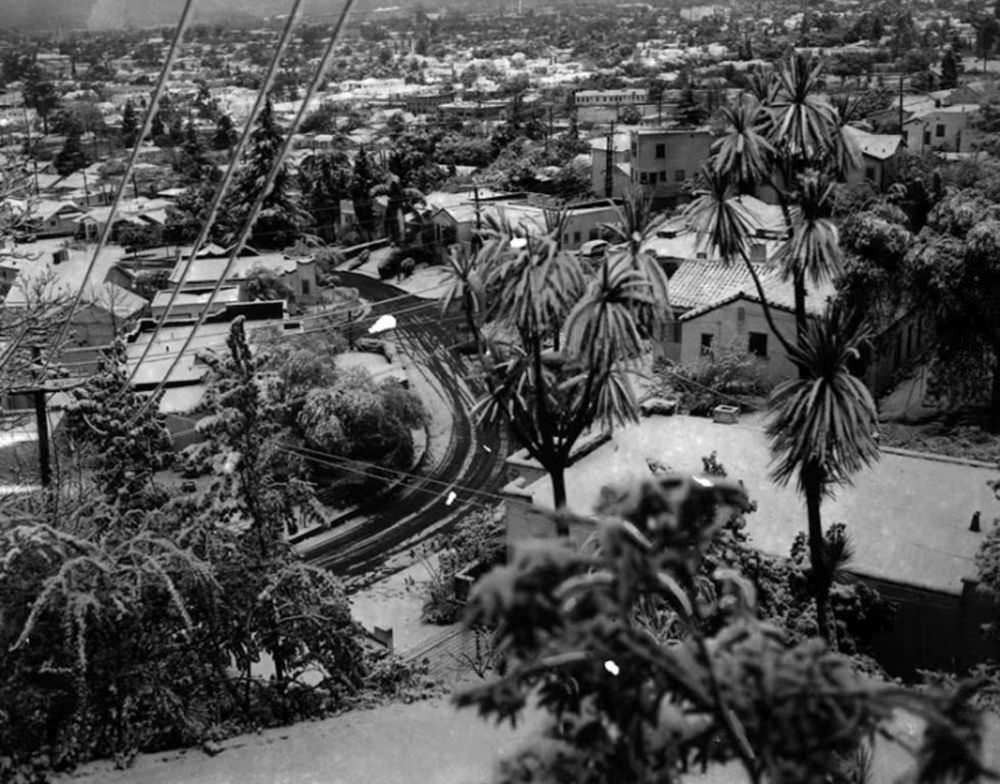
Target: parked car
594 249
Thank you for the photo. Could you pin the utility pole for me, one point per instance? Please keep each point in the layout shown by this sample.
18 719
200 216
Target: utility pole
901 104
42 426
609 164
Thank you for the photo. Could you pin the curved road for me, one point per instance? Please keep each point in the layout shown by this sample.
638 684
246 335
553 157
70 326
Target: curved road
418 510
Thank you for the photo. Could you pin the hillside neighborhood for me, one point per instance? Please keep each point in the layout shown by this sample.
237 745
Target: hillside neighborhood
372 377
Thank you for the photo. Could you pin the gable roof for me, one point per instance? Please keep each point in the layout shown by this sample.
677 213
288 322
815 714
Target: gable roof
880 146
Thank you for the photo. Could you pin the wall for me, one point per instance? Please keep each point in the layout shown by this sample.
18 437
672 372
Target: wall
586 225
724 323
684 153
620 182
954 122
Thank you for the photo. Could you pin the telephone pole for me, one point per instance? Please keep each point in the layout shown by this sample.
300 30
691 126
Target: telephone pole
609 164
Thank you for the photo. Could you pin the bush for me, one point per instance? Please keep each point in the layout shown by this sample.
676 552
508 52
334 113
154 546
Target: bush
478 538
712 380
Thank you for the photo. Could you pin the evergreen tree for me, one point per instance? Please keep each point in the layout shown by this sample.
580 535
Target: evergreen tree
71 157
129 437
281 219
130 124
361 187
949 70
225 134
158 130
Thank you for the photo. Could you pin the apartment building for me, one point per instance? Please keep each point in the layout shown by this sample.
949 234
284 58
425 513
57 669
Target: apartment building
664 159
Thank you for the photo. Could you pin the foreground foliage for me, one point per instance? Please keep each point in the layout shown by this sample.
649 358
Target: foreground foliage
625 706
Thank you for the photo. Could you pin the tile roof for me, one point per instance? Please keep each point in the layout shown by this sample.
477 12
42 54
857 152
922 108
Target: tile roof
701 283
780 294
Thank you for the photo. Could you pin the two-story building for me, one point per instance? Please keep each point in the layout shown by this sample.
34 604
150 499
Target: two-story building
663 160
943 128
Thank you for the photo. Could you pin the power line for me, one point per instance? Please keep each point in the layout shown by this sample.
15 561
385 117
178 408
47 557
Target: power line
290 336
234 160
265 187
368 469
147 123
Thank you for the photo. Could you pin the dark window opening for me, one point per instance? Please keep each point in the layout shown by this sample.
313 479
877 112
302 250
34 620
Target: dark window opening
758 344
706 343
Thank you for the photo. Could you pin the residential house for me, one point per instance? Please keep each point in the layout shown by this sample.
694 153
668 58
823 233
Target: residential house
298 273
943 128
55 218
663 160
879 157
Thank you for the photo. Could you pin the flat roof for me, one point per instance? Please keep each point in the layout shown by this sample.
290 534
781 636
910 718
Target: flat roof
908 517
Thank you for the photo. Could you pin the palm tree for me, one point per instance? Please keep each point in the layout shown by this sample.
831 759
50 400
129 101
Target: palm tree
821 432
743 153
550 400
812 248
399 200
636 223
465 284
725 227
803 122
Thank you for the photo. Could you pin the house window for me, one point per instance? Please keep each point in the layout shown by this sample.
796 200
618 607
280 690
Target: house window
706 344
661 151
663 176
869 172
758 344
643 180
927 137
678 331
939 130
576 238
680 175
305 288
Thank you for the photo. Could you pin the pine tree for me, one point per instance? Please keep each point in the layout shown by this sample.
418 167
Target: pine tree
281 219
949 70
225 135
130 124
158 130
362 183
71 157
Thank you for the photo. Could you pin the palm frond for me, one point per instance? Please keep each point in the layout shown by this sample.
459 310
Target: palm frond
826 418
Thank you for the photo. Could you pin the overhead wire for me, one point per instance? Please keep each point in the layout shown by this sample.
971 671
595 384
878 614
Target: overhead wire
291 335
147 123
235 158
265 190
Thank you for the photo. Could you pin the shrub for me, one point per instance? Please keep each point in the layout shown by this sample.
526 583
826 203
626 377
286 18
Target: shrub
478 538
712 380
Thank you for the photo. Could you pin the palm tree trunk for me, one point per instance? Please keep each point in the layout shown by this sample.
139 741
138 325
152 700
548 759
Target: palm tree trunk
995 390
820 579
800 314
558 476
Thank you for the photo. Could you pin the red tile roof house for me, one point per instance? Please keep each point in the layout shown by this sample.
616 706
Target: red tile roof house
716 305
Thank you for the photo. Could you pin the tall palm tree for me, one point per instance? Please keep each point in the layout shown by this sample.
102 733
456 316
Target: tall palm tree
821 432
399 199
550 401
724 226
812 248
465 284
803 121
744 153
636 224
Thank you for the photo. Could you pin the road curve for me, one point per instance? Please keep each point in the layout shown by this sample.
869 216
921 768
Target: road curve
418 510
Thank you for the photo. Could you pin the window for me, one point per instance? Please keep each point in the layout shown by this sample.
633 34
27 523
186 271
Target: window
869 172
643 179
680 175
927 137
576 238
706 344
663 176
758 344
939 130
678 331
661 151
305 288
